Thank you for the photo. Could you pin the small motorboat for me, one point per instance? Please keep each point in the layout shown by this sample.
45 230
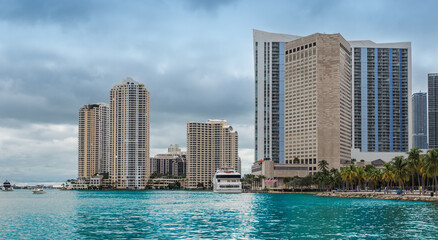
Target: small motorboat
7 186
38 190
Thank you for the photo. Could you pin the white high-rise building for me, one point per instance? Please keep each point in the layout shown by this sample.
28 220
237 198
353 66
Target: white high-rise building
210 146
129 128
269 94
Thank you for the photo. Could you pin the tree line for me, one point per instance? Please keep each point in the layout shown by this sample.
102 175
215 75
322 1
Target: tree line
417 171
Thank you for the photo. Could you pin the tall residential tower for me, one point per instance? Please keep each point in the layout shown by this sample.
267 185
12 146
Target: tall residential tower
381 90
210 146
129 128
93 139
432 86
419 124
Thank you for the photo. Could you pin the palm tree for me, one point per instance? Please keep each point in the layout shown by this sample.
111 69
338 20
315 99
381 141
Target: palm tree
374 176
432 165
388 174
295 181
335 177
259 179
400 169
422 171
348 174
360 176
323 166
414 164
249 179
319 178
287 180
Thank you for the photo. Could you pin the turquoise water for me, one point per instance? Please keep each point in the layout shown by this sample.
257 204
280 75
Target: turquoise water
195 215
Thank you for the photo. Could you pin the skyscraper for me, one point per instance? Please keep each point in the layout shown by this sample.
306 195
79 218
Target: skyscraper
419 123
381 85
210 146
269 94
432 86
129 128
317 101
93 139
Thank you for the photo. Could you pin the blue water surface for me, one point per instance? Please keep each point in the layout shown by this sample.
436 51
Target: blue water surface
206 215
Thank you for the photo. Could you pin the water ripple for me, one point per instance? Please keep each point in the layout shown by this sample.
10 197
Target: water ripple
205 215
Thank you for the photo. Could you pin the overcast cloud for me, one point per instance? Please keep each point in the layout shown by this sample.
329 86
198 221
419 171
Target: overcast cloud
195 57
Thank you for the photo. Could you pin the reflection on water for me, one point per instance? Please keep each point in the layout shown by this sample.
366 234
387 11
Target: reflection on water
181 215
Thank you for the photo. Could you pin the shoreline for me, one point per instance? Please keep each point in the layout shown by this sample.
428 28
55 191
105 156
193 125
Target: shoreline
357 195
376 195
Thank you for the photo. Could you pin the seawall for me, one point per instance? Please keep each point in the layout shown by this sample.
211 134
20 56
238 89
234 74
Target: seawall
375 195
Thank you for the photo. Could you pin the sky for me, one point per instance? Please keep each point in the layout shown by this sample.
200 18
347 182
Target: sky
194 57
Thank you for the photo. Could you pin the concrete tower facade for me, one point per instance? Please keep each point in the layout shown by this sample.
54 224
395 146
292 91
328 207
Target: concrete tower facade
317 101
93 139
129 128
210 146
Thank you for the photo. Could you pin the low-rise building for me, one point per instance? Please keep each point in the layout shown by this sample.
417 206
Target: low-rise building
166 183
275 173
378 163
168 164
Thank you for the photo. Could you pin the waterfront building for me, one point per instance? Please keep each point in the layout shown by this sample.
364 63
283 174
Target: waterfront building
419 121
173 163
317 101
432 86
381 90
129 128
274 174
269 94
210 146
168 164
93 140
166 183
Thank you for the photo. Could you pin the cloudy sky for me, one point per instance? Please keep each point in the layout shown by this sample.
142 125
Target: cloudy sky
194 56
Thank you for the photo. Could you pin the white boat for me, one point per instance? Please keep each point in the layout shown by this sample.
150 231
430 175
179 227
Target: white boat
38 190
227 181
7 186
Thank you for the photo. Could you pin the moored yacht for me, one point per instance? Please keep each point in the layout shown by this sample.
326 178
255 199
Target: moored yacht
7 186
227 181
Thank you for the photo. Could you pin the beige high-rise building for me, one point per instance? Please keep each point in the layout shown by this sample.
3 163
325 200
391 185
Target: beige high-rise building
317 101
129 128
210 146
93 139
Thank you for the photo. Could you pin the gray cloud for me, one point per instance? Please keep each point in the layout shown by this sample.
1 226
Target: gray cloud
195 57
35 12
208 6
